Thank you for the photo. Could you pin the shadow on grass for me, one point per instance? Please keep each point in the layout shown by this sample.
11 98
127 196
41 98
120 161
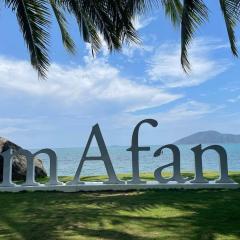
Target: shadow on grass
161 214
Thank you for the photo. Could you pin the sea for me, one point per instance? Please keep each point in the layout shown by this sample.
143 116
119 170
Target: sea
69 159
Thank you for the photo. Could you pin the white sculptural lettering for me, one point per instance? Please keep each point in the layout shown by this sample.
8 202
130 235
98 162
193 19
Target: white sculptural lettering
177 181
104 157
135 150
176 166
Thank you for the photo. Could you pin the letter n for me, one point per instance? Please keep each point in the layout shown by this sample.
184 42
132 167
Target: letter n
198 152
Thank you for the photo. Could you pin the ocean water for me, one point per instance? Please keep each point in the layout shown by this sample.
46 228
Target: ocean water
69 158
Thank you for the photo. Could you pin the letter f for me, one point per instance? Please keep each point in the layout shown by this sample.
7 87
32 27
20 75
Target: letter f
135 149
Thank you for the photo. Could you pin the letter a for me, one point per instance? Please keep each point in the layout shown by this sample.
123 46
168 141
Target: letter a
175 164
104 157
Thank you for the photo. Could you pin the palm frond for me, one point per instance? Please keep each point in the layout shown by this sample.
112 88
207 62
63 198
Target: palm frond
104 21
194 13
110 19
33 19
62 22
141 6
230 10
122 19
85 22
173 9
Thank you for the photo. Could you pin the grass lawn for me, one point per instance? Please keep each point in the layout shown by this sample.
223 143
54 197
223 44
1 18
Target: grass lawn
141 215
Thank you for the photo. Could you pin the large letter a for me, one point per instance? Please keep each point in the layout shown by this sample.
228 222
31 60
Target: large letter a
104 157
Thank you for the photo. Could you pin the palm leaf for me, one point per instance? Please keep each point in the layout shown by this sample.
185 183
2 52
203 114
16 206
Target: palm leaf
194 13
230 10
173 9
110 19
141 6
66 38
103 20
85 23
122 21
33 19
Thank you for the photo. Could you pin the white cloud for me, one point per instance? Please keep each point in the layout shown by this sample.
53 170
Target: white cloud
190 109
234 100
10 126
8 131
132 49
141 22
74 97
94 82
164 66
14 121
186 111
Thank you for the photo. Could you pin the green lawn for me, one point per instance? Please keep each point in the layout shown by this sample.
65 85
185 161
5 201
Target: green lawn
141 215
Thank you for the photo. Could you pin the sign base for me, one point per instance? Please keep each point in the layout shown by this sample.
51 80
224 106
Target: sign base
100 186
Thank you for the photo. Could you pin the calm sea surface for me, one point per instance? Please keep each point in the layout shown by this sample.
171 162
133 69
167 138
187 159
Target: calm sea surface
69 158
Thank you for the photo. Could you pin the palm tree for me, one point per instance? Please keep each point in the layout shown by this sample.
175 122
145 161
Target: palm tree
107 18
189 15
112 19
195 12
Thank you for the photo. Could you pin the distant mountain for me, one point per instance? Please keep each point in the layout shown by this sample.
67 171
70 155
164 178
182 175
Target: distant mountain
209 137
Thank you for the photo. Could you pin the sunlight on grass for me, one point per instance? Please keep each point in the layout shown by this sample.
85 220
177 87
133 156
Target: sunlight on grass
148 215
144 176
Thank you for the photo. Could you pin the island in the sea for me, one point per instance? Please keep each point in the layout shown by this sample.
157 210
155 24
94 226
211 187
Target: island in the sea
209 137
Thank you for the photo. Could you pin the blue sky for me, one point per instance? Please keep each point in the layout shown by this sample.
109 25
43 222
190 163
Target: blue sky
118 90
